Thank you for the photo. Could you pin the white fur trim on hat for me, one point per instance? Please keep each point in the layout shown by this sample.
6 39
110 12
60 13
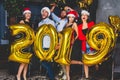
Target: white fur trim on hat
47 9
26 11
71 15
85 12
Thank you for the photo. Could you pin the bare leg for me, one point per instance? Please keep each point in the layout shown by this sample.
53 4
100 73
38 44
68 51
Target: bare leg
97 67
25 71
20 71
68 72
76 62
86 69
63 67
64 70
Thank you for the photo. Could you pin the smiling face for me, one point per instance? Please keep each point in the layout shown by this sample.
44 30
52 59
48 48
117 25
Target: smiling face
27 15
71 19
44 14
63 14
84 17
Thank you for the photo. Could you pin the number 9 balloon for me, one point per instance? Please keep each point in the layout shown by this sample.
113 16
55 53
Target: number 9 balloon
18 45
102 38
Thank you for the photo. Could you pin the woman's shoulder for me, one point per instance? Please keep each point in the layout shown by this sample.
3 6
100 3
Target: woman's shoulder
22 21
75 23
91 23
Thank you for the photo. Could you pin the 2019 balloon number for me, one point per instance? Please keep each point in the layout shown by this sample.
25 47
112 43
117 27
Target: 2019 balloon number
100 37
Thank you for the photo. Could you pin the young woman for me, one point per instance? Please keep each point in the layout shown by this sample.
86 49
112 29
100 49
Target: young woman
23 66
72 15
82 30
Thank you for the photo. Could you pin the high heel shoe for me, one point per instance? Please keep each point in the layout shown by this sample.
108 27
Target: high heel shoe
24 78
16 78
87 79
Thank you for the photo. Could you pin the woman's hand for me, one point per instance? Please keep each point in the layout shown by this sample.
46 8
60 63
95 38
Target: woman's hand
76 37
67 8
53 6
57 46
72 42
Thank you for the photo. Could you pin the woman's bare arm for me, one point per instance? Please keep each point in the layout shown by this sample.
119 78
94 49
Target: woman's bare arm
76 29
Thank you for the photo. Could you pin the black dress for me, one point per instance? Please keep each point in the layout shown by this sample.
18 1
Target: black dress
85 31
76 53
28 23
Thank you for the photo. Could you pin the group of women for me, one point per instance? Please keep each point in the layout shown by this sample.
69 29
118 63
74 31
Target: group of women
79 46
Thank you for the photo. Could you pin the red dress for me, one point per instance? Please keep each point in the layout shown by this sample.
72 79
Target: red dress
81 36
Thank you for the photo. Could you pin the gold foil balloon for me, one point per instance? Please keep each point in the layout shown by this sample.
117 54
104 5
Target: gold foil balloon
64 1
18 45
85 3
82 4
44 30
64 52
89 2
102 38
115 21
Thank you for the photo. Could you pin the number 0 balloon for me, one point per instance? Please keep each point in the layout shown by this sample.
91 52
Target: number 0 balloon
44 30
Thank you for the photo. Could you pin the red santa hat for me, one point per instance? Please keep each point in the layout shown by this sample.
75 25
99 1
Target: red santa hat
26 10
72 13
